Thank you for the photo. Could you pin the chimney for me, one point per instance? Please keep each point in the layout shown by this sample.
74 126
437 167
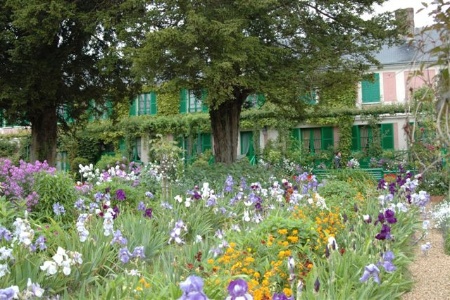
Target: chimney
405 18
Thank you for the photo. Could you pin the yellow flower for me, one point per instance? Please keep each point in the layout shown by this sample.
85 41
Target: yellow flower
287 292
295 231
282 231
210 261
293 239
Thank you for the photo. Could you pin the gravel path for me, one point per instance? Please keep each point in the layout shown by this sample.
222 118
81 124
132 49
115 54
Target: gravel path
431 272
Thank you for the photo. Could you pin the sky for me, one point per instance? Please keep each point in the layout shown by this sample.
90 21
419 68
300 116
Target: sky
420 19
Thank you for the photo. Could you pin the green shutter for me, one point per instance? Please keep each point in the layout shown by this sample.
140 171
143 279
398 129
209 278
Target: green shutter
205 107
261 100
133 110
371 89
183 100
153 104
247 147
295 139
206 141
327 138
356 142
387 136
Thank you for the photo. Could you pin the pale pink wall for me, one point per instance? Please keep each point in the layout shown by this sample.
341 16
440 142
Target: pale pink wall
389 87
415 82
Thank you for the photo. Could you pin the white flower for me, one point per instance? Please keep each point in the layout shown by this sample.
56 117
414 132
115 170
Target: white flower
60 256
50 267
188 202
76 257
178 198
246 217
34 289
66 267
332 244
6 253
3 270
198 239
133 272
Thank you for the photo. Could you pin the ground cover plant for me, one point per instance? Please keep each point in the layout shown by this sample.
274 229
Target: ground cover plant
248 233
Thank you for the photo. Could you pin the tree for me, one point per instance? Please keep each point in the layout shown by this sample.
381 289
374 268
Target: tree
57 57
233 49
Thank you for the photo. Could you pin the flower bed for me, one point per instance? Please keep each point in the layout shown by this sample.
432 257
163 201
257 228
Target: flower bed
250 236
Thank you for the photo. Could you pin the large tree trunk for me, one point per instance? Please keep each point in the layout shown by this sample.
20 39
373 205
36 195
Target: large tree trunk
225 129
44 125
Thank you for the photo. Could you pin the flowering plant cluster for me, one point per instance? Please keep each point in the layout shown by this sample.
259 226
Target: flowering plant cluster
353 163
246 237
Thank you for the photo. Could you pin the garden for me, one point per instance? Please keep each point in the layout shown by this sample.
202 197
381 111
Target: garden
169 230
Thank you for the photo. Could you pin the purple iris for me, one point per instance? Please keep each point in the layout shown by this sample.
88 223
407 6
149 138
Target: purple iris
371 271
40 243
229 184
118 238
237 289
148 213
141 206
9 293
385 233
390 216
387 264
120 195
192 289
139 252
5 234
317 285
280 296
124 255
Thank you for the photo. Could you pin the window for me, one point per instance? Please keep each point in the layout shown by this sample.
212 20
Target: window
191 102
193 146
310 97
144 104
247 147
314 140
370 89
254 101
364 137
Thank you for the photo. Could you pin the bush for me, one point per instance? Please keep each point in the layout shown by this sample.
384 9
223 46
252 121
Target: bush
53 188
74 166
107 161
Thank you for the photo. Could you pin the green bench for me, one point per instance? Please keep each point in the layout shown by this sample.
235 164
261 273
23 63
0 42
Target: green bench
377 173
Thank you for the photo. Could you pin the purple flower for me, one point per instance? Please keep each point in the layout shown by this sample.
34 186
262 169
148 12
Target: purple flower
9 293
370 271
116 211
390 216
5 234
238 288
141 206
79 204
317 285
120 195
138 252
58 209
192 289
389 266
385 233
40 242
228 184
118 238
280 296
150 195
148 213
388 256
124 255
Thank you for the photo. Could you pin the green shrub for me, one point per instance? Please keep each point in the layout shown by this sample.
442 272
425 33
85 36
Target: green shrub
74 166
52 189
107 161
